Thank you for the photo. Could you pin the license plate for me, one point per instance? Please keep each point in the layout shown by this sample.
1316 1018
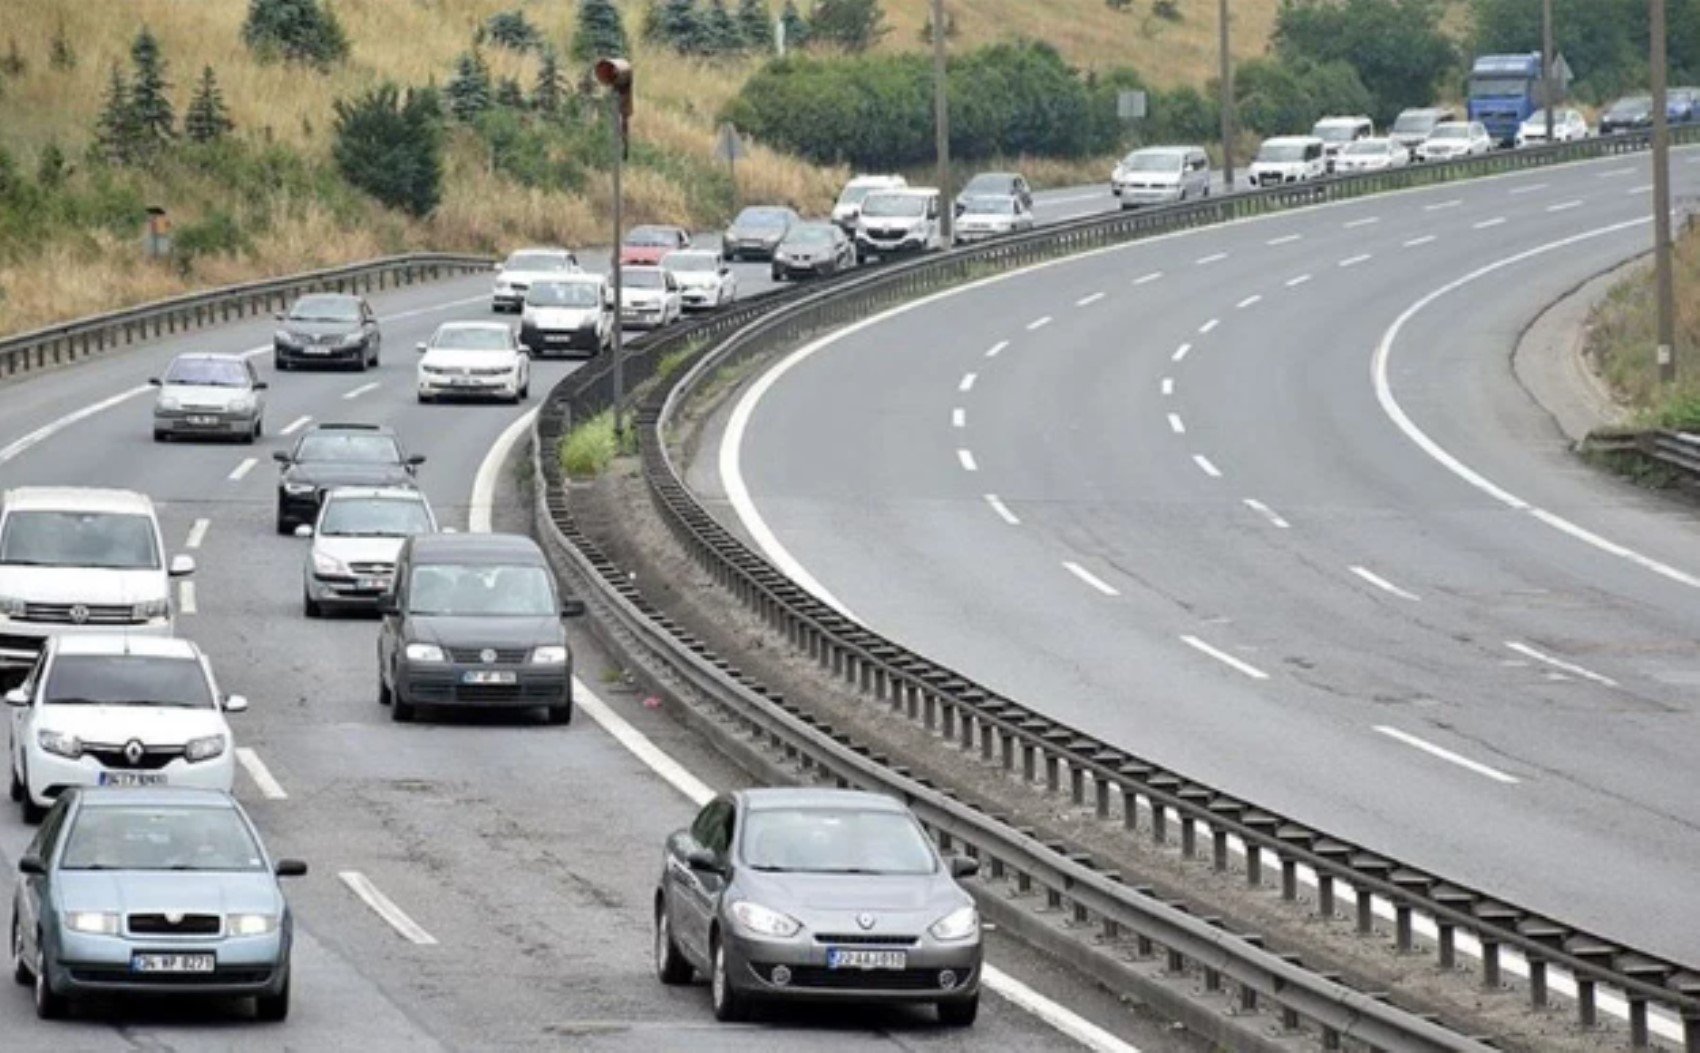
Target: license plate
317 350
131 779
171 963
204 422
372 584
484 676
847 958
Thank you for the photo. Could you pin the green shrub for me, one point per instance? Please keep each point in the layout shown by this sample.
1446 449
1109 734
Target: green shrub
392 149
302 31
216 233
590 447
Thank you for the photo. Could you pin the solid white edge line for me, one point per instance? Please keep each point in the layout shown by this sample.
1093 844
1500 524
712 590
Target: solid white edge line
1225 658
1447 755
186 603
385 908
1090 578
1558 663
967 384
256 768
965 457
995 349
242 469
1205 466
197 533
1180 352
296 425
47 431
479 510
361 390
1266 512
959 418
1383 584
1087 301
1066 1022
1176 425
1002 510
1039 323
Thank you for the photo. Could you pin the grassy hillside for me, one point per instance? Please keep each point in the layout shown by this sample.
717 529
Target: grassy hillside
308 219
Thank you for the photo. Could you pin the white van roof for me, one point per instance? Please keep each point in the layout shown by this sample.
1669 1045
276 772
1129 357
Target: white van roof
77 499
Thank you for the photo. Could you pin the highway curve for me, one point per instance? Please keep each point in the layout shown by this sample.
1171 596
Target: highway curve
1163 493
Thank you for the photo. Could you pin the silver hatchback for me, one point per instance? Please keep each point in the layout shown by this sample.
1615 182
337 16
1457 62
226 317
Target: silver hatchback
209 396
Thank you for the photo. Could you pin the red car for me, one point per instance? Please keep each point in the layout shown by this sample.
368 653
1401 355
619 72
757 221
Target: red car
644 246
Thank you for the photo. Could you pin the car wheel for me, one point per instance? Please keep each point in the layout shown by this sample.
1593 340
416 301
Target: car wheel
959 1012
259 427
160 436
274 1008
33 813
671 968
280 364
729 1005
20 969
49 1004
424 399
401 712
284 526
559 714
17 784
310 607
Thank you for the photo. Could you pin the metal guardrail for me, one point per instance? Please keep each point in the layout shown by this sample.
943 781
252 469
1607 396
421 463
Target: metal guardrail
959 711
68 341
1673 449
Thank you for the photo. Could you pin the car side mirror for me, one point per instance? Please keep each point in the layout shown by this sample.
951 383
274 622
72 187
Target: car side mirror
17 697
182 566
388 604
964 867
235 703
304 530
420 347
416 460
572 608
33 866
701 859
290 868
281 457
261 385
154 382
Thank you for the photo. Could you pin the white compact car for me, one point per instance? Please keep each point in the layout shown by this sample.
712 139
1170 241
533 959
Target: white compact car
118 711
209 395
652 295
705 281
1288 159
356 539
1160 175
520 270
1568 126
1371 155
1455 139
849 207
991 217
78 560
572 313
473 360
1337 132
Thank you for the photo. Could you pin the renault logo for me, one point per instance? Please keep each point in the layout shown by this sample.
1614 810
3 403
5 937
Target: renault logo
79 614
866 921
487 656
133 751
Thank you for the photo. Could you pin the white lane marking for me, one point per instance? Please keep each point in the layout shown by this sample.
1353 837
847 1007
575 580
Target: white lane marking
1646 189
1180 352
1225 658
47 431
1002 510
959 418
1148 278
1090 578
1383 584
1038 323
296 425
1087 301
1250 301
1266 512
361 390
186 603
1366 221
1353 261
1530 189
385 908
1614 173
1390 406
197 533
242 469
1285 239
996 349
1206 467
480 508
1424 240
1209 326
1447 755
1175 424
966 457
270 788
1564 206
1557 663
1486 223
1214 257
1453 203
967 382
433 309
1168 385
1083 1031
1293 283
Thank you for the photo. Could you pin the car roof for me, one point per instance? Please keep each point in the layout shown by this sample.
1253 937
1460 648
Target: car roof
895 180
1164 150
328 294
152 797
766 798
475 548
463 326
207 356
909 191
575 278
654 226
374 493
642 266
125 644
552 250
376 429
76 499
1290 139
1342 120
679 254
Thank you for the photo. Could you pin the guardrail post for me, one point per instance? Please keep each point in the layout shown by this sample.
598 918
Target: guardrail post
1537 981
1490 961
1189 836
1219 849
1325 895
1638 1036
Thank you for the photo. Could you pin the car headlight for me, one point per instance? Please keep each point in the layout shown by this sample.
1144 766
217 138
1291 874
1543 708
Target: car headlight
61 743
297 489
250 924
352 338
424 652
11 607
960 924
549 656
243 404
284 336
92 922
151 609
170 402
204 748
329 566
763 922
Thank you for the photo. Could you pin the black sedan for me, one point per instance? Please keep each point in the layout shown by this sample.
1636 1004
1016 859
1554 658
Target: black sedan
813 250
328 329
757 230
474 621
329 455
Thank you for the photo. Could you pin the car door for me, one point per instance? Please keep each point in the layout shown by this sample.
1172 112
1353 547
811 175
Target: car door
698 891
390 627
257 388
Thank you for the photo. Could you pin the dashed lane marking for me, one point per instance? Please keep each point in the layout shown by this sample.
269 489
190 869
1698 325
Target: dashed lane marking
1285 239
1424 240
1206 467
1564 206
296 425
242 469
198 533
1214 257
1497 221
1090 578
1209 327
186 603
1168 385
1446 755
1557 663
1087 301
256 768
1437 206
967 383
1365 222
1266 512
1225 658
966 458
1180 352
1294 283
1147 279
1383 584
959 418
996 349
1002 510
1353 261
1250 301
361 390
385 908
1176 425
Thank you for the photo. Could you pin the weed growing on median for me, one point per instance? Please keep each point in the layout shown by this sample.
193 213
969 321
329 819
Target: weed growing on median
591 446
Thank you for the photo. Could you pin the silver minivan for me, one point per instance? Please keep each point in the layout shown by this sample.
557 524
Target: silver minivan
1158 175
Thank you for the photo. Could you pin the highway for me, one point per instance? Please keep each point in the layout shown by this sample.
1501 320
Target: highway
476 884
1265 503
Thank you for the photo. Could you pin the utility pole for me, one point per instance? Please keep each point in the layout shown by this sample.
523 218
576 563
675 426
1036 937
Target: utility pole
1661 200
941 126
616 75
1226 77
1549 97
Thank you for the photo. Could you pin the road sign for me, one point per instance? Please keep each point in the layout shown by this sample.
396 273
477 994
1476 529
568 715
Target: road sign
1130 105
727 146
1562 72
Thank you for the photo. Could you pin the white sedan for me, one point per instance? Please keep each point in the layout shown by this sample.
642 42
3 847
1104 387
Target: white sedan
1370 155
473 360
651 298
705 281
1568 126
1454 139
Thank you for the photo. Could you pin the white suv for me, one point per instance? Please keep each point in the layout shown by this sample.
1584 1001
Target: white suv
118 711
76 560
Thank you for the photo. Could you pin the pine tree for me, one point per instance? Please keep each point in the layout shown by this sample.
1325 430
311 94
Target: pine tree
60 54
720 30
551 88
675 23
469 91
206 120
509 29
796 26
854 25
392 149
756 21
50 166
150 107
295 31
510 94
115 129
600 31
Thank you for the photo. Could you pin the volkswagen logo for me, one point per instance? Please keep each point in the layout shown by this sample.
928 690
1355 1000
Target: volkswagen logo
487 656
79 614
866 921
133 752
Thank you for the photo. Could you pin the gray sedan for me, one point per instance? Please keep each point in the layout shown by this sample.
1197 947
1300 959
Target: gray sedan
152 892
209 396
816 895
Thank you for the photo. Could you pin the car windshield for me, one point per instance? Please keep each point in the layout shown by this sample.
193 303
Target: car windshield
1366 146
652 236
835 841
1415 123
473 338
1634 106
1152 162
1450 131
325 309
343 446
1334 133
1281 152
562 294
107 540
144 837
762 217
538 262
480 590
1480 86
811 234
989 206
894 205
990 183
855 195
208 372
692 261
642 279
374 517
127 680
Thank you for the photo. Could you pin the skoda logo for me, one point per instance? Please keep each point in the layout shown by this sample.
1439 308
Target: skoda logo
175 917
79 614
487 656
133 752
866 921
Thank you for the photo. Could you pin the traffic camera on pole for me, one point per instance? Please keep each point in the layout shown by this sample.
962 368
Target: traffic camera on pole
615 74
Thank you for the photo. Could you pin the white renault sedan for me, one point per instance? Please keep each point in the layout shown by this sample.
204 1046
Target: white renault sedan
473 360
705 281
118 710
